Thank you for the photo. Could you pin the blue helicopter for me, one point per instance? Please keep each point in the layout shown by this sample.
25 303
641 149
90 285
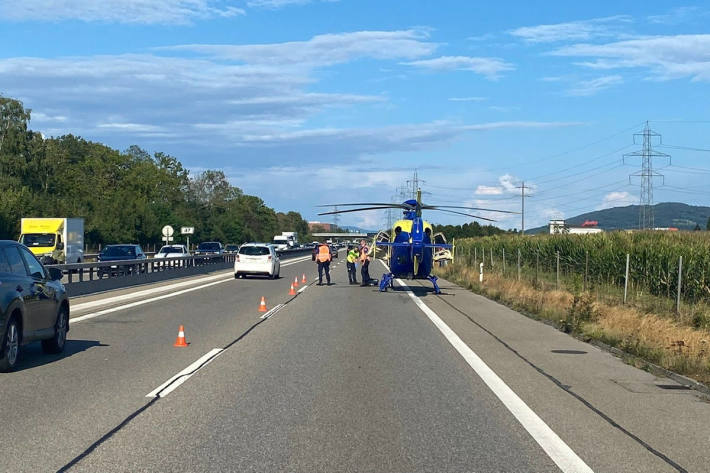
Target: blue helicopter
411 245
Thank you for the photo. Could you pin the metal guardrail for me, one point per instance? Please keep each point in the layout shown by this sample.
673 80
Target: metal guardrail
86 272
89 257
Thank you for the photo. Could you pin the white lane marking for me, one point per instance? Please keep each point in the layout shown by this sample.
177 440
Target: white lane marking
144 301
272 311
146 292
303 288
560 453
152 299
172 384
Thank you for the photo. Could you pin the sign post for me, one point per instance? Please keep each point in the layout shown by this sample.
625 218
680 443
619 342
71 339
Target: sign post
168 234
187 231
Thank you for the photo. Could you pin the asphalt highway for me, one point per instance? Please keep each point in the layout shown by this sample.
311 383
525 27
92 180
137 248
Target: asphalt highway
337 378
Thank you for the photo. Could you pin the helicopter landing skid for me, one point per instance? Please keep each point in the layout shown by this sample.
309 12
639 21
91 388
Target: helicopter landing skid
386 281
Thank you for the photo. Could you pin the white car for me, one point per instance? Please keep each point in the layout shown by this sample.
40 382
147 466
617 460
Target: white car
172 251
257 258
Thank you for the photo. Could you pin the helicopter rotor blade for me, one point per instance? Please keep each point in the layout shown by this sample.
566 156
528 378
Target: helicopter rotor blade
467 215
382 204
437 207
356 210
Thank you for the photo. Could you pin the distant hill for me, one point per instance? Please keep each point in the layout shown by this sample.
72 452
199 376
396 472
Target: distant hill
666 214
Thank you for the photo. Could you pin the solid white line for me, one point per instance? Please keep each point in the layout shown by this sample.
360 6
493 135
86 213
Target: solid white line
171 384
144 301
272 312
152 299
560 453
146 292
303 288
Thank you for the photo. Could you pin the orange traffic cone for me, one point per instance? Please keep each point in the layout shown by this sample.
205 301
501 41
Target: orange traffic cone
262 305
295 281
180 340
303 280
291 292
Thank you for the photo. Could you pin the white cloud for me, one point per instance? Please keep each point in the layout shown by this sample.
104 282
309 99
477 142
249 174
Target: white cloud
490 67
119 11
591 87
253 98
509 182
584 30
39 117
551 213
488 190
519 124
322 50
677 16
504 109
281 3
667 57
467 99
617 199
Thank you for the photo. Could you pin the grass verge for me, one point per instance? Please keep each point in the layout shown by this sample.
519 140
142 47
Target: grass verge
652 337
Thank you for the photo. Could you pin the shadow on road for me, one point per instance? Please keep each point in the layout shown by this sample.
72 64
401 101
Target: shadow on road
32 356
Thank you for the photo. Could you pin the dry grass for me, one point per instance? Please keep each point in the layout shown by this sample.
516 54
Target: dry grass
653 337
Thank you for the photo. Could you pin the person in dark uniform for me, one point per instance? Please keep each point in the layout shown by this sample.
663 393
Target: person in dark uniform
365 264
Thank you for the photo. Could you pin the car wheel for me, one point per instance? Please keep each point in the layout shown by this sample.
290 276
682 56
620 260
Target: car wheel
58 341
236 275
10 347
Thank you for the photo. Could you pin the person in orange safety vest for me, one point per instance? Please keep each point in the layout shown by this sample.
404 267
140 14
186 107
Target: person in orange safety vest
323 258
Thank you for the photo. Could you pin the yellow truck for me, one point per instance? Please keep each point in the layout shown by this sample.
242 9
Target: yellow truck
54 240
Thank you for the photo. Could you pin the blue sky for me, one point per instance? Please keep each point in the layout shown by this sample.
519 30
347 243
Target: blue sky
308 102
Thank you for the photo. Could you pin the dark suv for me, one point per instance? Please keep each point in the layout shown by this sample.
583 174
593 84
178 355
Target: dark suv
209 248
122 252
33 304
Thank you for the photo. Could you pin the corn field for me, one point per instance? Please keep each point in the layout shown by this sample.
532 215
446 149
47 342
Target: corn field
600 259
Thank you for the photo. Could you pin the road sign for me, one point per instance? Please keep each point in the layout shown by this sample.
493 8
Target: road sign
168 231
187 230
168 239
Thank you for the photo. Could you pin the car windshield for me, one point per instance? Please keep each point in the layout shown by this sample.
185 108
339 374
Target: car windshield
280 241
127 251
171 249
232 247
209 246
254 251
38 239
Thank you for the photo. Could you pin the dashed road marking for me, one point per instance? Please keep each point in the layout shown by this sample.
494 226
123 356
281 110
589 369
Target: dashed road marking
172 384
130 305
272 311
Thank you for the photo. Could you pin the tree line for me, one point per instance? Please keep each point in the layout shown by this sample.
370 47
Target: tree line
469 230
123 196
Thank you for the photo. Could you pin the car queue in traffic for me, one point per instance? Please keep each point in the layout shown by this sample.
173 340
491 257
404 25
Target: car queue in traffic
34 306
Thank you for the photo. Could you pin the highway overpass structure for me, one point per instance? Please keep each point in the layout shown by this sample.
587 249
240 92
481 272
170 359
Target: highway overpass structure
335 378
343 236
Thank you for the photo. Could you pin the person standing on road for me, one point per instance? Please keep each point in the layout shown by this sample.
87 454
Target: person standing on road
323 258
353 256
365 264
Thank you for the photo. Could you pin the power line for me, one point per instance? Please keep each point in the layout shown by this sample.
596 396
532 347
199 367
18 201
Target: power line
688 148
591 160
